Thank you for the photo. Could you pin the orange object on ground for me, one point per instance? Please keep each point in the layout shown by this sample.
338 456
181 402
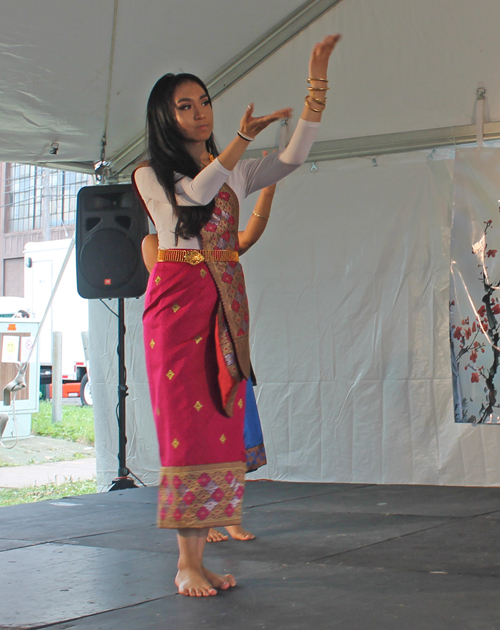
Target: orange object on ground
70 390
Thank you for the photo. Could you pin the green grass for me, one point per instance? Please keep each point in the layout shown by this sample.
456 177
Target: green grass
77 423
15 496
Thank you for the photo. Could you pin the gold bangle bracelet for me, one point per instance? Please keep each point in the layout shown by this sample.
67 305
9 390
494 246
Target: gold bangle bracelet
318 100
260 216
314 79
317 89
312 108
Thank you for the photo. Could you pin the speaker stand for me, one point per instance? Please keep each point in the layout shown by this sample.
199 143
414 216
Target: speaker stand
123 480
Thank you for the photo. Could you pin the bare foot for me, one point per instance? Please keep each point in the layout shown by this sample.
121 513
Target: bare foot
194 584
219 581
214 535
238 533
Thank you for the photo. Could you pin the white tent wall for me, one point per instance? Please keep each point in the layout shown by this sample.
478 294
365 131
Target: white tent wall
348 292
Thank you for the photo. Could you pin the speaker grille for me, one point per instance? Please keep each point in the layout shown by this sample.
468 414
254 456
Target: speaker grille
108 258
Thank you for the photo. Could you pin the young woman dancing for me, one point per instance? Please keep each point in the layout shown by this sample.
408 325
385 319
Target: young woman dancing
196 312
254 441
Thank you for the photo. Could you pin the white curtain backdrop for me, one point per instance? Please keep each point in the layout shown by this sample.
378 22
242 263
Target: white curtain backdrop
349 291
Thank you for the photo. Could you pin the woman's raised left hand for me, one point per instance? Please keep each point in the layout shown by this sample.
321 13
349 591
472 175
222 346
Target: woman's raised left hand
251 126
320 56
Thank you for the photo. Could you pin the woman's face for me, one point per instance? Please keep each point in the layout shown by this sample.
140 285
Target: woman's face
193 112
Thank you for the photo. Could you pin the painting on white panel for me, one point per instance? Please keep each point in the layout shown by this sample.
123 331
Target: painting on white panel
475 286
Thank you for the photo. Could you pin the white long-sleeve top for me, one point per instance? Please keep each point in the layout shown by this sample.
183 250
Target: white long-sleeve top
248 176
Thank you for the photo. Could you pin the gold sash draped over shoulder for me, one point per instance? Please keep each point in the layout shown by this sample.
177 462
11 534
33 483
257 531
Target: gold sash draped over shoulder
221 233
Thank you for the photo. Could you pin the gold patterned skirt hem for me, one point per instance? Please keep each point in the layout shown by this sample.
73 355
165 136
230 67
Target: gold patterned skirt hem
207 495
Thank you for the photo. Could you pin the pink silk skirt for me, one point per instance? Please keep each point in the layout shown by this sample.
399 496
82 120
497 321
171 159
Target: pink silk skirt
202 452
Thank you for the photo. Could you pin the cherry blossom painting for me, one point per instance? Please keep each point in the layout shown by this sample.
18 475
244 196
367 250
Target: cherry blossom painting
475 286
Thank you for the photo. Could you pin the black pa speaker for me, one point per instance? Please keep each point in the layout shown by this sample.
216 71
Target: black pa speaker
110 226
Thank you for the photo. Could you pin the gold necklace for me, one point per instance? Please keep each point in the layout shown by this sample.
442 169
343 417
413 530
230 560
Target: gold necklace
211 158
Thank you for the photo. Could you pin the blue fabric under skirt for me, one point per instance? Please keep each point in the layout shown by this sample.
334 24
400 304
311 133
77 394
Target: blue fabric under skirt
254 441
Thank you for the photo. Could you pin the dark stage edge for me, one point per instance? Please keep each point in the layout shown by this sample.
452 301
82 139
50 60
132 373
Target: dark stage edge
327 556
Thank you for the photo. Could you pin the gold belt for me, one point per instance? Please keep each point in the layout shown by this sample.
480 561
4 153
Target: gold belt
196 256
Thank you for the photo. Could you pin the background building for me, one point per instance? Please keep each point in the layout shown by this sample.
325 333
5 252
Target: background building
36 204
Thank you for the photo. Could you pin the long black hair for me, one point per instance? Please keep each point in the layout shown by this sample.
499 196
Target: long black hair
168 155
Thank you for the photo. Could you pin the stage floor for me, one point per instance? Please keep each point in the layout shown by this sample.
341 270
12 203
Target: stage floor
327 556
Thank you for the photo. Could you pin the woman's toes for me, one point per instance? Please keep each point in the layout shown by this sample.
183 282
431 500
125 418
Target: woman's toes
215 536
238 533
194 584
230 579
218 581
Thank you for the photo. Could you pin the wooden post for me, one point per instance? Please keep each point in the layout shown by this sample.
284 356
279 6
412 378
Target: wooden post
56 377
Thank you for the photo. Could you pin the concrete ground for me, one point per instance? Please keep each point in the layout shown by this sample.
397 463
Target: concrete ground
36 461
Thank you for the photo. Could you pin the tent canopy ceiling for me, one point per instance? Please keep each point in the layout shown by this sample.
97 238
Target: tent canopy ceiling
402 67
56 61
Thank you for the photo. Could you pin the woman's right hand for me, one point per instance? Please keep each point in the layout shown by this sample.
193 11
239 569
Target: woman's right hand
251 126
